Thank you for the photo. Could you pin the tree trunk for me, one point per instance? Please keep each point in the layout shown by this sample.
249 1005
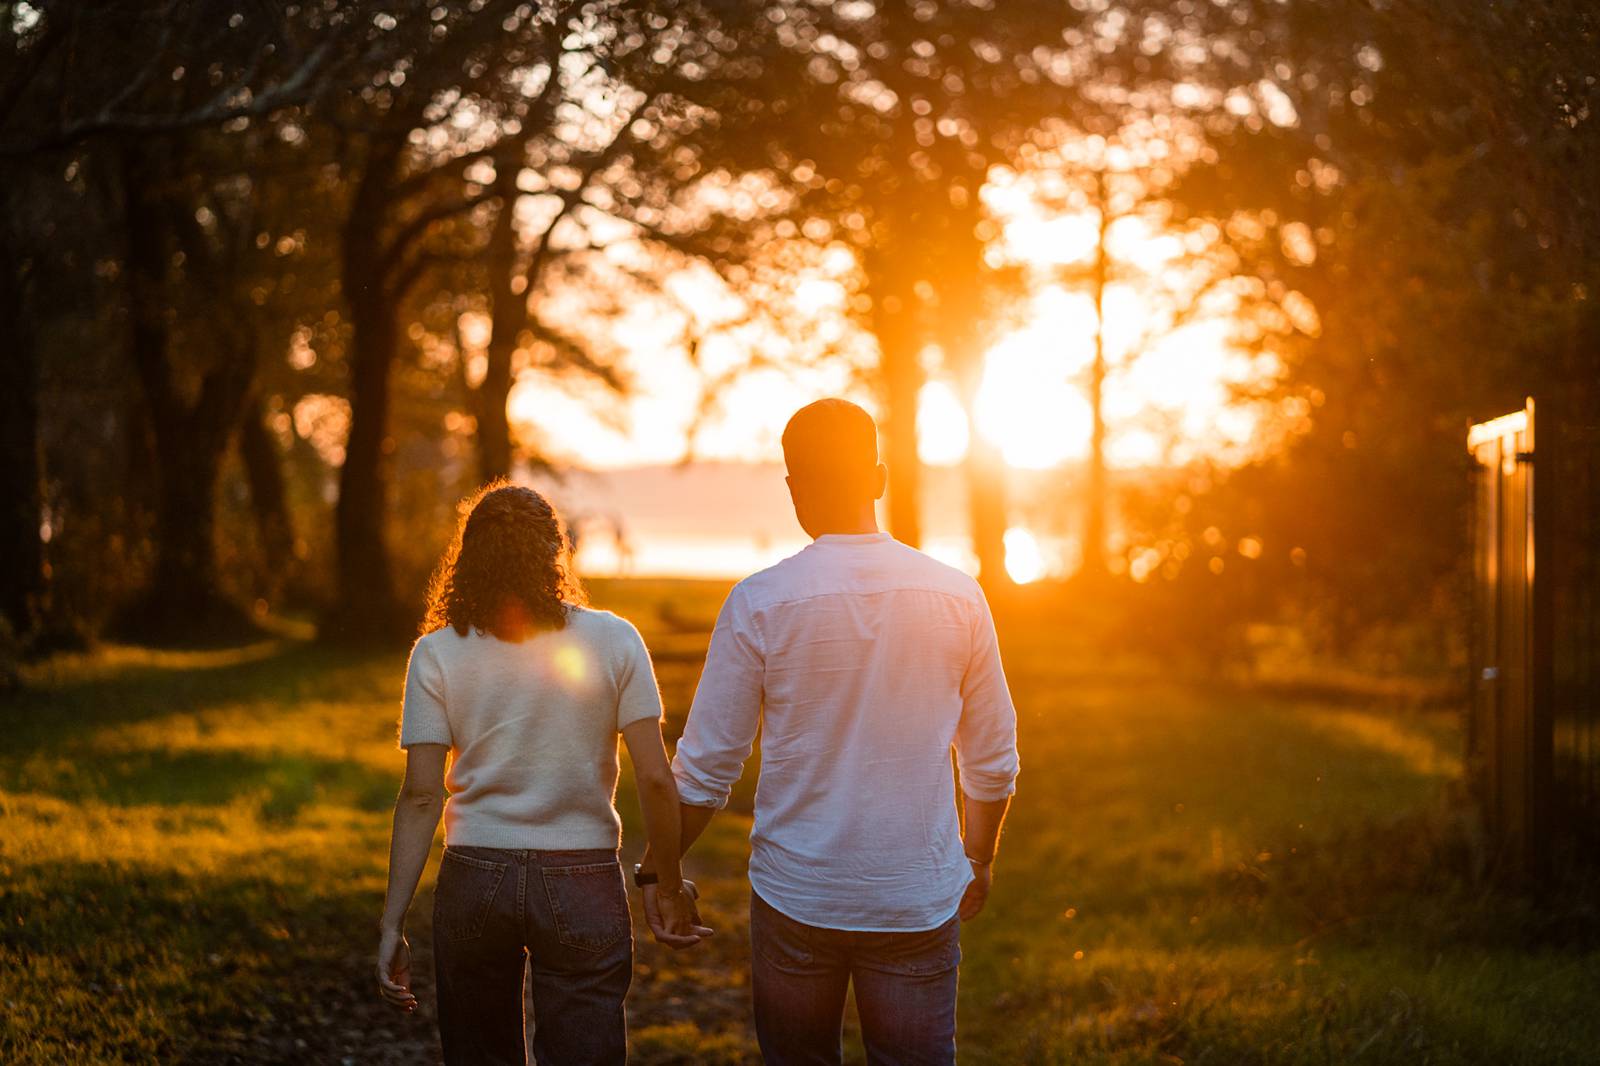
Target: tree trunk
22 581
366 607
984 472
269 500
508 318
963 311
186 557
894 322
183 603
1094 524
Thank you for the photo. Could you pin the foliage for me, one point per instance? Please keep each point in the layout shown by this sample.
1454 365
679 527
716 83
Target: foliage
223 217
1421 207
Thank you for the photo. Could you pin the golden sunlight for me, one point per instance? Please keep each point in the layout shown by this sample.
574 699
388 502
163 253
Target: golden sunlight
942 430
1024 558
1027 406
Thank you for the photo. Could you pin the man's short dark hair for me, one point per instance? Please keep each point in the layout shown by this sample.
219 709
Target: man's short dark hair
831 440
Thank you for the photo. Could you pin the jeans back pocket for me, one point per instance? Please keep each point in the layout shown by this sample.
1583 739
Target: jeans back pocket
588 903
921 954
785 944
464 894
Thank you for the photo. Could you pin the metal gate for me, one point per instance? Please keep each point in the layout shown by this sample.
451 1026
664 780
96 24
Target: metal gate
1534 732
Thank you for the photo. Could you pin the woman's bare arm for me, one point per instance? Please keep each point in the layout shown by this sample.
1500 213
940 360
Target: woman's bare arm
416 818
658 800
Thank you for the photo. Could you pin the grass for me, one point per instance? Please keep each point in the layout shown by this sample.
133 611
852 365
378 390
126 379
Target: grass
192 851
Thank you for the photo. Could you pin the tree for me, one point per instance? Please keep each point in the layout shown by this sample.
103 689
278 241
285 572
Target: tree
1121 182
516 267
190 435
22 580
890 119
162 112
477 86
1416 178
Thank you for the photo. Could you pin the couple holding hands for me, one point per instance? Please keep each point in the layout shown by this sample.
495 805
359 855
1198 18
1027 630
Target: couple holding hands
862 663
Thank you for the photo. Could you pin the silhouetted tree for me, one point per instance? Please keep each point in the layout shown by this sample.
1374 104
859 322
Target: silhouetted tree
163 116
22 572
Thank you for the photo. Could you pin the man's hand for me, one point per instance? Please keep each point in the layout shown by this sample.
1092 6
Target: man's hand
674 920
977 893
394 970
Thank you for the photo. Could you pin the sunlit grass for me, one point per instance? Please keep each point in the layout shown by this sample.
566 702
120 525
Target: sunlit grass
192 854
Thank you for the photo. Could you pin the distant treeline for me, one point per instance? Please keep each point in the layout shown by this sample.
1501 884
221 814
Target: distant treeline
239 241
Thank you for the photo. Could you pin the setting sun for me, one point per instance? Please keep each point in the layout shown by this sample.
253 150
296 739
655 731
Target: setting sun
1027 405
1024 560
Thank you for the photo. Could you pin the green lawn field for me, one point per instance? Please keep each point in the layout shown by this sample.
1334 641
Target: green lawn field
192 850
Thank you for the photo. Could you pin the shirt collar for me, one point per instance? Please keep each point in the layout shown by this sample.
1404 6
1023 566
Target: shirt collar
853 538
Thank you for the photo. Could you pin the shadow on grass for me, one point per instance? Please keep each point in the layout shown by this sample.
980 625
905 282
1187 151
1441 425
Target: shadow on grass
103 963
68 698
283 783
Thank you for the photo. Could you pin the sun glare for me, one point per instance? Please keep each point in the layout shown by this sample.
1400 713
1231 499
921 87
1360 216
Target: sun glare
1027 406
942 431
1024 558
1169 396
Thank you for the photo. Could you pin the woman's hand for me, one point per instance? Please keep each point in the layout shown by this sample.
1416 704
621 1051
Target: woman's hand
394 970
674 919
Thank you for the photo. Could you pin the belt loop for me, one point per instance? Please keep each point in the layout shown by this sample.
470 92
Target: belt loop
522 891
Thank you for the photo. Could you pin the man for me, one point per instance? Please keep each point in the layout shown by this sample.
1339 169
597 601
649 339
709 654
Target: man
863 662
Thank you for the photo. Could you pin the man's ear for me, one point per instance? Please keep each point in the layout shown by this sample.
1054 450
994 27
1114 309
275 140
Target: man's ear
883 482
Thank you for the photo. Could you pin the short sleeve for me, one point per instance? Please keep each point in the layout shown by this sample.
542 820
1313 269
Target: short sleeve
637 695
422 715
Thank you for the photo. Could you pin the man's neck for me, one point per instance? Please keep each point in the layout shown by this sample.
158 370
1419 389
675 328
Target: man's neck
854 526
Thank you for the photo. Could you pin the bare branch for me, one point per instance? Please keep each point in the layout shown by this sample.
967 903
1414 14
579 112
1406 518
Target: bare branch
299 88
418 226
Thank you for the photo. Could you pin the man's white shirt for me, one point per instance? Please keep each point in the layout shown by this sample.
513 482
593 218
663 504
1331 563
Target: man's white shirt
863 663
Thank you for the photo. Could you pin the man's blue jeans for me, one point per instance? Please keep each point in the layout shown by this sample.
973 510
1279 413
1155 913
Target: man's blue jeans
905 991
496 911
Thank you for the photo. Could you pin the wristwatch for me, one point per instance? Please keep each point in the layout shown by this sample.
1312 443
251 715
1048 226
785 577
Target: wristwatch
641 878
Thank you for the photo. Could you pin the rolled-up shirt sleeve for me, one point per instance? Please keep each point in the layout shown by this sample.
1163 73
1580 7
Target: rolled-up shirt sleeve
986 737
726 712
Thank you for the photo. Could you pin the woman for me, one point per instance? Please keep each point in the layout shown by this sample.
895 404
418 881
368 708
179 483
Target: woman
526 689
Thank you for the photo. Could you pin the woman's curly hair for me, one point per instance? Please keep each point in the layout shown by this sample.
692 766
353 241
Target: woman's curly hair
510 543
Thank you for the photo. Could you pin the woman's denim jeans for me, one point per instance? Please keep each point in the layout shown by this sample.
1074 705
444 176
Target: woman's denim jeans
905 991
566 912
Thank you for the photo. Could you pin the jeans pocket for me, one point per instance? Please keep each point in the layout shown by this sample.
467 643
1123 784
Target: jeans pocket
464 894
922 954
780 940
589 904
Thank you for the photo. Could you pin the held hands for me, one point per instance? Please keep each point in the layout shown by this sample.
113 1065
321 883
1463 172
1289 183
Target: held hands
394 970
977 893
674 919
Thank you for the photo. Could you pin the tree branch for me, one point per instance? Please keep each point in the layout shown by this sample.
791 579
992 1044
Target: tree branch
296 90
418 226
